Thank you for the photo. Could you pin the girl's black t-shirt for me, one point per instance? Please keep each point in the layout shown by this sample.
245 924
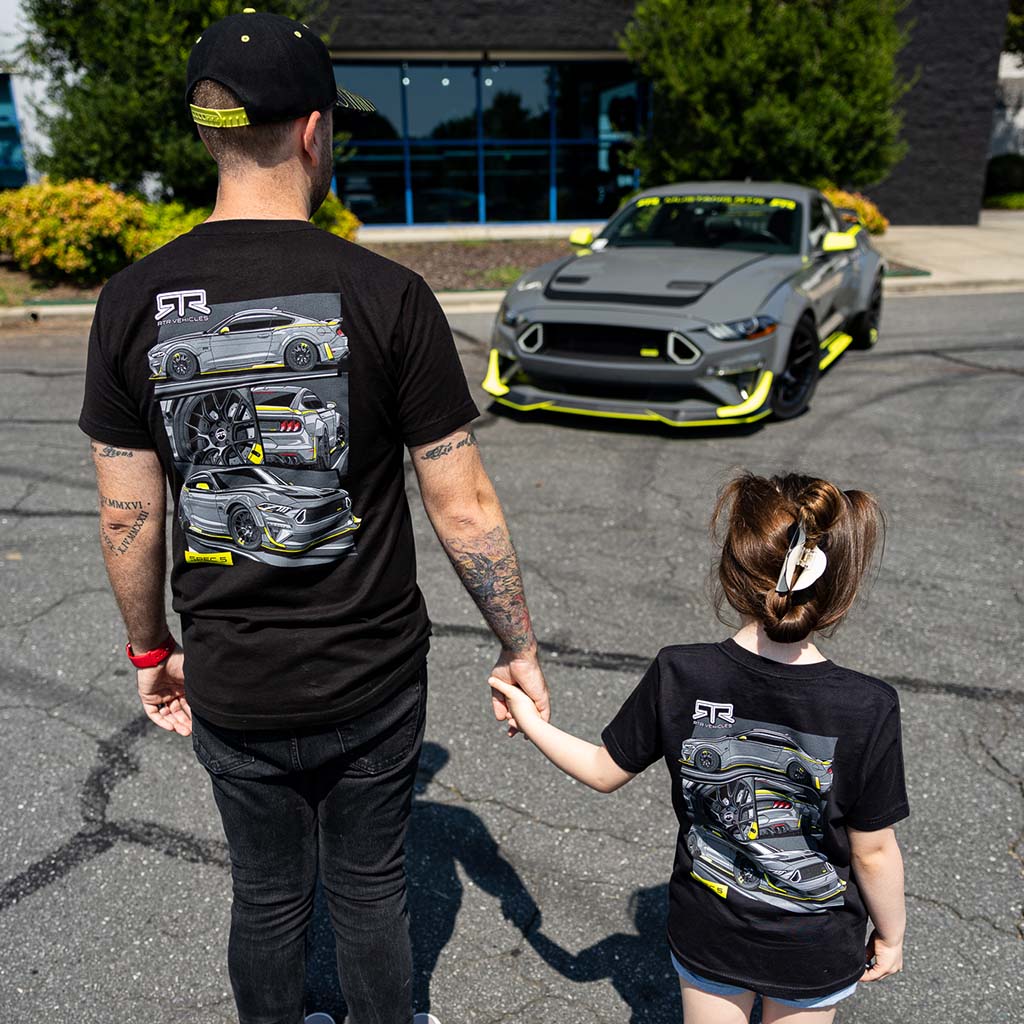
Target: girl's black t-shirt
279 372
770 764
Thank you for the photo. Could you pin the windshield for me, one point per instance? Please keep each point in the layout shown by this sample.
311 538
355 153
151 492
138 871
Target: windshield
747 223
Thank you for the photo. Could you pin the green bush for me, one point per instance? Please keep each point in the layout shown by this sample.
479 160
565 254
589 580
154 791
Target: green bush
77 231
867 212
1010 201
336 217
1005 174
163 223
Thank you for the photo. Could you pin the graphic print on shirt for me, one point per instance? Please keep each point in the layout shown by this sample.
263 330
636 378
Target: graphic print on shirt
254 398
756 794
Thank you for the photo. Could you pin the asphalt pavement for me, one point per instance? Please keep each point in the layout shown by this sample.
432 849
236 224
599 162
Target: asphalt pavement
532 898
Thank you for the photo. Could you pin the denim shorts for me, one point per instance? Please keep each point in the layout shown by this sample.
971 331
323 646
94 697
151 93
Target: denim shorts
716 988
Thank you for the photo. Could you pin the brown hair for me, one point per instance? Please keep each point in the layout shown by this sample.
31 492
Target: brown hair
231 148
759 515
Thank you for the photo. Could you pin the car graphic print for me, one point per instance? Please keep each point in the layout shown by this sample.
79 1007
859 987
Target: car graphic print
298 427
259 515
248 340
757 799
762 750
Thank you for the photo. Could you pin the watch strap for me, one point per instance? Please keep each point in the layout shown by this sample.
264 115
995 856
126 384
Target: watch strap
150 659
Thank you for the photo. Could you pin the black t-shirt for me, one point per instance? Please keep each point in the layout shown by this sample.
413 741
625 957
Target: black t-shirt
279 371
769 763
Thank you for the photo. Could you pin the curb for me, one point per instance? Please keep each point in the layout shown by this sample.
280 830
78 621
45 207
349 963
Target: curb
36 313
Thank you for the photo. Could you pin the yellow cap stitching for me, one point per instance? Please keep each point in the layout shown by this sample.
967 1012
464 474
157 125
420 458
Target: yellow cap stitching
245 39
235 117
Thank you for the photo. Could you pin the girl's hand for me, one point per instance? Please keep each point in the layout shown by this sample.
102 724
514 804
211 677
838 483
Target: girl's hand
522 708
888 958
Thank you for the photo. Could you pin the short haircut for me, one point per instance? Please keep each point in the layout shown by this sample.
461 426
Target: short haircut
232 148
755 518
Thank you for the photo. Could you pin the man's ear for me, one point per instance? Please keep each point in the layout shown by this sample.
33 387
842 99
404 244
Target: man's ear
309 143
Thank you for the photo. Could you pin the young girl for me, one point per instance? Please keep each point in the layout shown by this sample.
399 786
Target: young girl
787 770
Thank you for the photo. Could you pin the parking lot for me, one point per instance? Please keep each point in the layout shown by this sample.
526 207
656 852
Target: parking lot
533 899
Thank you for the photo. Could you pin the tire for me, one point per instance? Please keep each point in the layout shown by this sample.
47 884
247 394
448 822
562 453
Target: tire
746 874
215 428
182 364
794 387
797 772
244 528
706 759
864 327
300 354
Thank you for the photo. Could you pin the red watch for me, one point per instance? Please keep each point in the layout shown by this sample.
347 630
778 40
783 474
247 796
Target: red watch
150 659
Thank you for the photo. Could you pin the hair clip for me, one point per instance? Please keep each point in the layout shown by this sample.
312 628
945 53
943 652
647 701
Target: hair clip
809 562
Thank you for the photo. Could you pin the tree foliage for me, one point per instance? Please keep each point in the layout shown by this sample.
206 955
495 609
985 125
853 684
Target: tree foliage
793 90
115 109
1015 29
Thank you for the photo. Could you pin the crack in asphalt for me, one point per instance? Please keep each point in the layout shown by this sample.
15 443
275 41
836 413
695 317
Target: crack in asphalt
114 763
620 661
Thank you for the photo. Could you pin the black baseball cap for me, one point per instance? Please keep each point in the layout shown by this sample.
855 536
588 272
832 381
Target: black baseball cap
280 69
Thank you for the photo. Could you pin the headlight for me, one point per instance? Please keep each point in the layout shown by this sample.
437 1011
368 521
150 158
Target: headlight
743 330
528 285
297 514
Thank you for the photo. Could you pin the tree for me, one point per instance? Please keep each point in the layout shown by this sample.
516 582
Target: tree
116 108
791 90
1015 29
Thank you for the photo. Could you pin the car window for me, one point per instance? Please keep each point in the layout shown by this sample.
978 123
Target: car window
312 402
281 321
203 479
283 398
819 223
249 323
239 476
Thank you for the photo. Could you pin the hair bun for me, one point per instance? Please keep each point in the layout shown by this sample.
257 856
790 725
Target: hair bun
822 506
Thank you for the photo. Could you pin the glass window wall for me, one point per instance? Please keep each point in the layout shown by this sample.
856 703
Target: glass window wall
490 141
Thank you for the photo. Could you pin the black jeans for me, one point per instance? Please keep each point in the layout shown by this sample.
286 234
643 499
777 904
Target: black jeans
337 797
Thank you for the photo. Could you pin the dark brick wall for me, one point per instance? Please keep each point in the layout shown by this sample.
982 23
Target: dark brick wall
954 50
480 25
947 115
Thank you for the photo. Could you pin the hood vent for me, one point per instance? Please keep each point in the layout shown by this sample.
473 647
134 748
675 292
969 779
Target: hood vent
688 286
570 279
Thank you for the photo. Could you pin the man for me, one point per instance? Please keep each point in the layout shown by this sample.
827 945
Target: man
273 373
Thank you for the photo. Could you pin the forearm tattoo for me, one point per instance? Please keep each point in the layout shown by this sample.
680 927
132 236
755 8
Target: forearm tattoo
489 570
446 448
116 541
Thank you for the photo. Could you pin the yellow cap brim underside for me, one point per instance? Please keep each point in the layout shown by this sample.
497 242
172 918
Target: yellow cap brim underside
234 117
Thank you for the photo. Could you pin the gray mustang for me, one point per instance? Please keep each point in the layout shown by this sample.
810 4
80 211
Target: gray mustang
698 304
752 753
260 515
251 339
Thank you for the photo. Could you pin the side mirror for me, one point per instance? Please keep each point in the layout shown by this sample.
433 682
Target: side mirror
223 330
838 241
581 237
332 405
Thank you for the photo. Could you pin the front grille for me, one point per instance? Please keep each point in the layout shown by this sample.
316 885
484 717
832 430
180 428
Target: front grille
668 394
327 510
603 341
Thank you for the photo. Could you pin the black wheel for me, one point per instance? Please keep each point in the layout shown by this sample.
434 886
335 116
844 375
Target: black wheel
693 844
246 532
793 388
797 772
323 456
182 364
865 326
300 355
216 429
746 874
707 760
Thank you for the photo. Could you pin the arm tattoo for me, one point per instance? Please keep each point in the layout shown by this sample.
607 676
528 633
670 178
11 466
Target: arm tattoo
489 570
116 542
446 448
436 453
110 452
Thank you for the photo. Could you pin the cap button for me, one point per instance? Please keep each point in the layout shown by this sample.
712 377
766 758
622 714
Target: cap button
248 10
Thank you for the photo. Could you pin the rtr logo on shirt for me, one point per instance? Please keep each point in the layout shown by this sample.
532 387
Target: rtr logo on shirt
179 303
709 712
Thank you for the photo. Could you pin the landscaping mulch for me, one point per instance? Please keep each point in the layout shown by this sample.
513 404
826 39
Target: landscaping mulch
472 265
18 289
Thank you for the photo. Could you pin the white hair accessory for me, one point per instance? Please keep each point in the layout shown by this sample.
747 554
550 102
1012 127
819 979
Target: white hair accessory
809 562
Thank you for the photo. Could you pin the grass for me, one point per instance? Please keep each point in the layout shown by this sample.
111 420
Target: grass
1008 201
504 276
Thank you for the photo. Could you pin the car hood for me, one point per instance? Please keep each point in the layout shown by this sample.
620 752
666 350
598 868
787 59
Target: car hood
710 284
312 494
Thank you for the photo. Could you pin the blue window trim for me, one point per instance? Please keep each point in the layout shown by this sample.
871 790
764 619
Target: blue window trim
482 143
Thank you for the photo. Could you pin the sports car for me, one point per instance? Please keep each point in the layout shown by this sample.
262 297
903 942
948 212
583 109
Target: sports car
253 339
698 304
754 752
794 878
298 426
256 512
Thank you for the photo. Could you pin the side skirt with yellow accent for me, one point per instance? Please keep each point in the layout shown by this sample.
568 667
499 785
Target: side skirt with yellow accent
715 887
834 346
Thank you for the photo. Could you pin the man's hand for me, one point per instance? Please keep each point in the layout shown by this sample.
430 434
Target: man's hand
888 958
162 692
522 670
